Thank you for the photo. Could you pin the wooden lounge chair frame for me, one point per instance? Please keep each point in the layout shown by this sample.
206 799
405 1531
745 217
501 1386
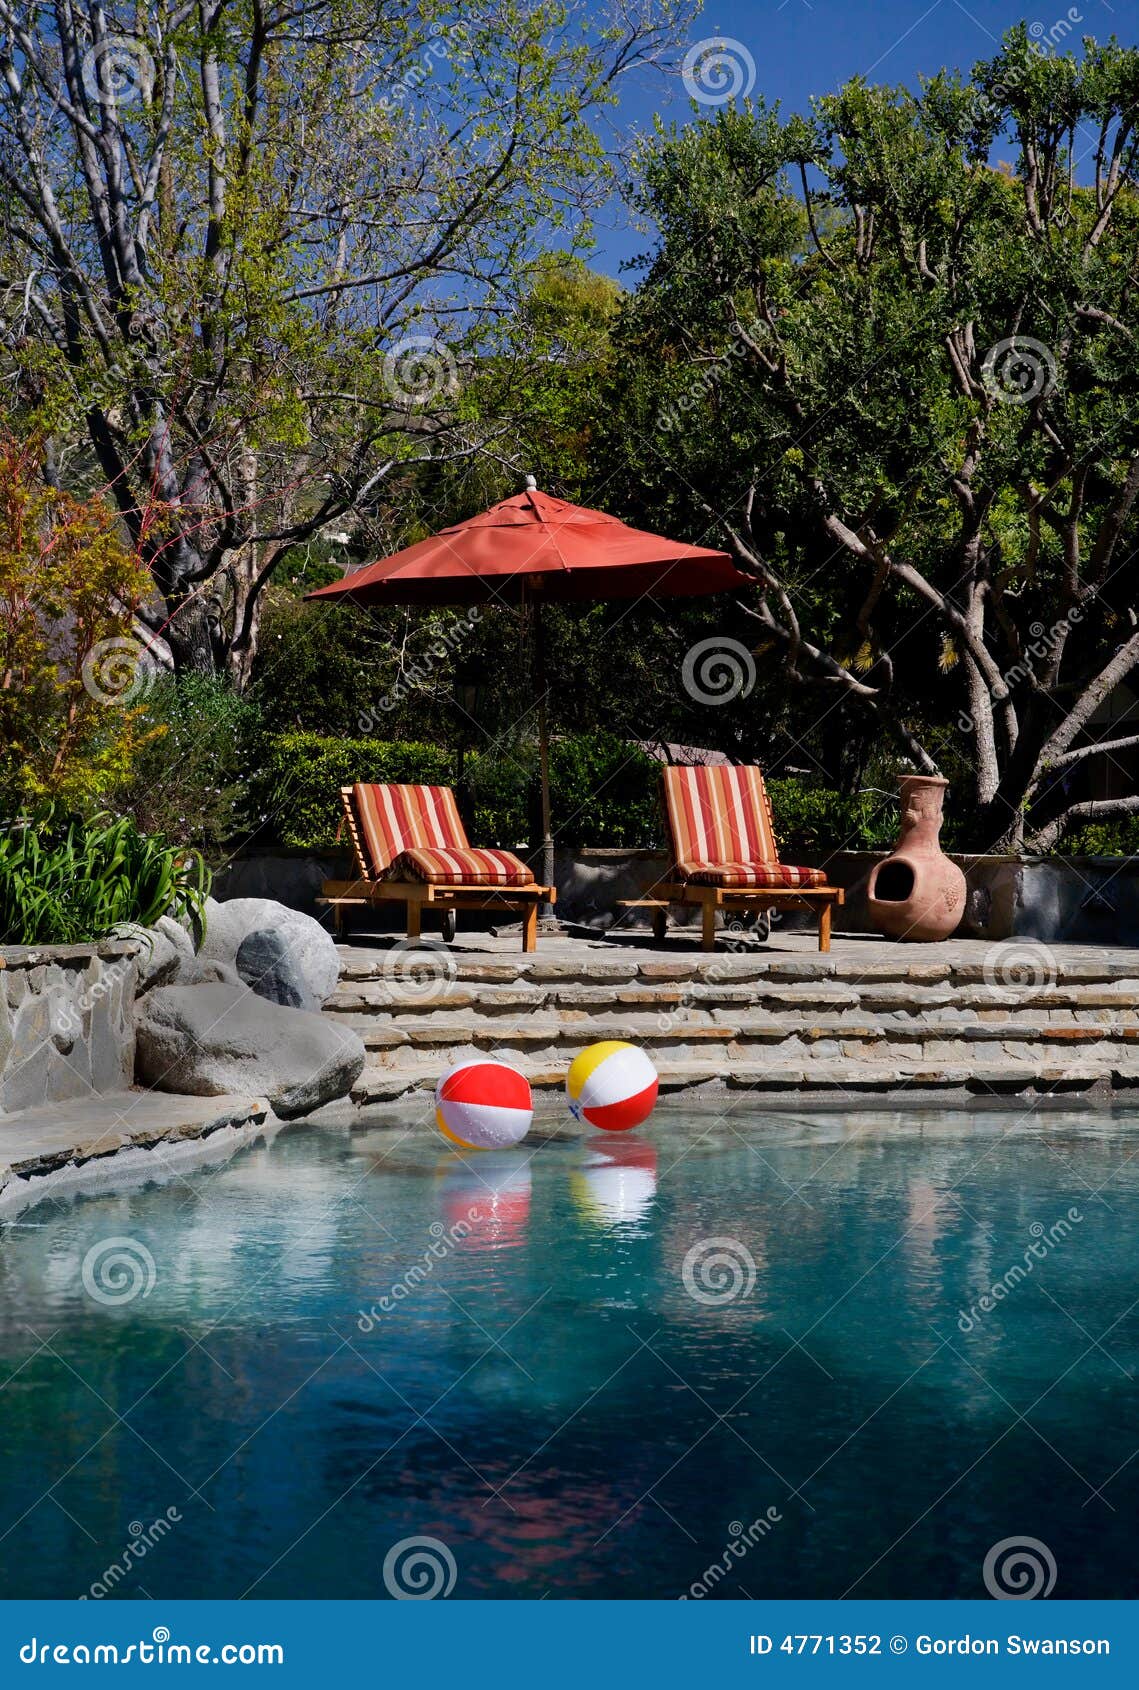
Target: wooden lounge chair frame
367 891
710 900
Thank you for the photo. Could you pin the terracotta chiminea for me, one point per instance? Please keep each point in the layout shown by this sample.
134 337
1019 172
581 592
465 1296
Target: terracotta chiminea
917 893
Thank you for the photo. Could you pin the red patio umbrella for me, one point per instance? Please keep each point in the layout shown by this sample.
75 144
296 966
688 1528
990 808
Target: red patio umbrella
529 550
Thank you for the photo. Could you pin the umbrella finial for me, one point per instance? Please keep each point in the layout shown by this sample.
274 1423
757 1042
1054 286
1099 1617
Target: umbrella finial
531 484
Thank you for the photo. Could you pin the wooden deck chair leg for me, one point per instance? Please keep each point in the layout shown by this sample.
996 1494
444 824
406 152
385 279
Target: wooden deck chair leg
660 924
708 924
825 925
414 918
530 926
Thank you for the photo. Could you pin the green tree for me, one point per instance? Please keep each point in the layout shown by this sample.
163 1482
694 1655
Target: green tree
250 250
903 386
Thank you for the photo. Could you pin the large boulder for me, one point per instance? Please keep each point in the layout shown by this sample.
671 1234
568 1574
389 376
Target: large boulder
208 1039
303 961
166 952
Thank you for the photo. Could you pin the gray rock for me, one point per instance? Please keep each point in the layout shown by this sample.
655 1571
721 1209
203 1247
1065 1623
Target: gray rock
166 952
313 958
268 967
205 1040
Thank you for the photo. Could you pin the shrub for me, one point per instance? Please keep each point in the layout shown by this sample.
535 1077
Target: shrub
604 792
298 784
189 780
70 664
64 880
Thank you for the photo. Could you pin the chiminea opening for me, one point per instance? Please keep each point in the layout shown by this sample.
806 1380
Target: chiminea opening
895 882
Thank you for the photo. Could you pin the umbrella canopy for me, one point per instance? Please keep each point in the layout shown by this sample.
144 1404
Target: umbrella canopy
534 547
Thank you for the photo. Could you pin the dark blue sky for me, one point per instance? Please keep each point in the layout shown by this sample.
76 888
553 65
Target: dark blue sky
805 47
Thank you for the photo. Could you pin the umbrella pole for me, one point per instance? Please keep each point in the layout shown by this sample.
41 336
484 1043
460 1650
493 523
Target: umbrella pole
546 909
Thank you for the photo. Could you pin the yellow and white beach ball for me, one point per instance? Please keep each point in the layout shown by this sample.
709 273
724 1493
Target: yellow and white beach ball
612 1085
483 1105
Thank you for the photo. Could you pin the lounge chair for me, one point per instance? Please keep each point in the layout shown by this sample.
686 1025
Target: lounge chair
725 855
410 847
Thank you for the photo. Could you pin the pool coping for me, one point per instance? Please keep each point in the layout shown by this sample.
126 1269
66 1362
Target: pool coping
81 1144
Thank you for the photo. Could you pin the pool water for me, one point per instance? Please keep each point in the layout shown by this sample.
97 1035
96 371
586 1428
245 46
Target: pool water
731 1355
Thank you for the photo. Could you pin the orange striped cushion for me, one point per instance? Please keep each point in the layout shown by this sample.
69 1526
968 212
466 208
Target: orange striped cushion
395 819
719 815
465 867
750 874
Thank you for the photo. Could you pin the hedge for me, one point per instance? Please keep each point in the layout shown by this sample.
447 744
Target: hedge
604 793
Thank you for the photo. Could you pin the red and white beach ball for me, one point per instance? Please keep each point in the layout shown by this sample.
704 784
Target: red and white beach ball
612 1085
483 1105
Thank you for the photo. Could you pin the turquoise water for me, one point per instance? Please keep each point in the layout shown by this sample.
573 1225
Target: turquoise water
288 1366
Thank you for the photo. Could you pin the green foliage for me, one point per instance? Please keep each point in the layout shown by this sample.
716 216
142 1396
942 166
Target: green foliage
1103 839
297 790
813 820
64 880
69 662
604 792
189 780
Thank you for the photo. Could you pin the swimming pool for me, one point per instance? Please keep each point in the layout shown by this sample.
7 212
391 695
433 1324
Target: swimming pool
742 1354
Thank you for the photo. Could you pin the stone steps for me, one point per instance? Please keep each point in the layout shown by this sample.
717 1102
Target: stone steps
774 1023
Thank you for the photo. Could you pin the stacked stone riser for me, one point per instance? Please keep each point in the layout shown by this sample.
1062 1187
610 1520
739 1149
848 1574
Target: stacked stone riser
762 1023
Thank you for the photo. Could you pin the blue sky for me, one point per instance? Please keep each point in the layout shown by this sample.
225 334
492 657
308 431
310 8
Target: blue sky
805 47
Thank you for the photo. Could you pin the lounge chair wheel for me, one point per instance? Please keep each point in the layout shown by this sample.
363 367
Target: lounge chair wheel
660 924
450 925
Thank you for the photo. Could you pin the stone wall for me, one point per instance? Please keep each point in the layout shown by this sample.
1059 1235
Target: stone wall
66 1022
1079 900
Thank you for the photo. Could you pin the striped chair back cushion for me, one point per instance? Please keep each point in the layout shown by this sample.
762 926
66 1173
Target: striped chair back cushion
395 819
719 815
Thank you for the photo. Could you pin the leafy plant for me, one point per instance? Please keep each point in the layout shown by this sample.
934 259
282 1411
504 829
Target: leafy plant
64 880
189 779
